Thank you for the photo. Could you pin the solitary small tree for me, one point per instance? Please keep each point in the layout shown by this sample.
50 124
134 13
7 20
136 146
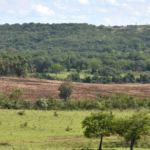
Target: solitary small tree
98 125
133 128
66 89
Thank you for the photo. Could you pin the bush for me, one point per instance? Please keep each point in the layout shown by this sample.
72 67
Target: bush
21 113
3 99
26 104
52 103
55 114
24 125
68 128
11 105
16 95
5 144
42 104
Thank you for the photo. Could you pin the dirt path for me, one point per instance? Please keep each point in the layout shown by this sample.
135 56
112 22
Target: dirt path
55 140
52 140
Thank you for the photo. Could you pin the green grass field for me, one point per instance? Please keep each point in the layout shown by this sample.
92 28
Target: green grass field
84 73
36 128
64 74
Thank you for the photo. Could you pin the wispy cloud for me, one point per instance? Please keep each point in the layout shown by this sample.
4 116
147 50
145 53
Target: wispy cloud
102 10
124 4
43 10
59 6
113 2
148 10
83 2
136 13
10 11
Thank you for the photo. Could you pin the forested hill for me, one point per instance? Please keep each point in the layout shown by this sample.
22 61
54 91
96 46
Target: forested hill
94 51
74 37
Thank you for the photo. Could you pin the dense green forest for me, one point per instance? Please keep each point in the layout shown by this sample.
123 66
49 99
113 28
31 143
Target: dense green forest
102 51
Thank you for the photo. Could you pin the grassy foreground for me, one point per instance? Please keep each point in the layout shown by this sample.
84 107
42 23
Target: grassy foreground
35 130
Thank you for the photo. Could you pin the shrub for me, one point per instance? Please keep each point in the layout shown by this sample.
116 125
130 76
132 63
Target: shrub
5 144
52 103
55 114
16 95
26 104
24 125
42 104
68 128
21 113
3 99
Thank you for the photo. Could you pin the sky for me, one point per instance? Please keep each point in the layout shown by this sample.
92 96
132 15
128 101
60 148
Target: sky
96 12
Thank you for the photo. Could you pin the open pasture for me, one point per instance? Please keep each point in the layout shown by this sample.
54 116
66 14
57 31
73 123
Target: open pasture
40 88
37 130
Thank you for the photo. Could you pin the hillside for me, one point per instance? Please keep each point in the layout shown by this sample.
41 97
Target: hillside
74 37
103 51
39 88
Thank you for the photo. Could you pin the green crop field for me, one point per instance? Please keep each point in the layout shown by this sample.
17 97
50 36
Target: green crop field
49 130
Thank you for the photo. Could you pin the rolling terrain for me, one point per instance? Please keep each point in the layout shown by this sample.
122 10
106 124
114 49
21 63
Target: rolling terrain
40 88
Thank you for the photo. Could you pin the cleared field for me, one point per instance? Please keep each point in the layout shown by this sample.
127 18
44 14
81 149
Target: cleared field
40 88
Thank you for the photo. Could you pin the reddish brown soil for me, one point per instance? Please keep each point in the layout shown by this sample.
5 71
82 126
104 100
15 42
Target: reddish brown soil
40 88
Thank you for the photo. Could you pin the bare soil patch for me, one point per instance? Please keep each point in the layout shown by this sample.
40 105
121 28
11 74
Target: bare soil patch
40 88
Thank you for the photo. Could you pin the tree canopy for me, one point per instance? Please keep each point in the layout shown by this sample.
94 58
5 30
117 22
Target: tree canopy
133 128
98 125
66 89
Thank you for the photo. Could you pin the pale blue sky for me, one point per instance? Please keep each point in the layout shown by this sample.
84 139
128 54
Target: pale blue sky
97 12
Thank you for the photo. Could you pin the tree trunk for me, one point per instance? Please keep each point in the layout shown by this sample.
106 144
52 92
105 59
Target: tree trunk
100 146
132 143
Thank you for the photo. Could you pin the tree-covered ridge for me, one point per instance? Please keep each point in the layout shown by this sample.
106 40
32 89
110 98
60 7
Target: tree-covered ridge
100 50
75 37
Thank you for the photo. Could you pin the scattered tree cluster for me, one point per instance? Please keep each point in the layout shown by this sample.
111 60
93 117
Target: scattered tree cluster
10 66
103 124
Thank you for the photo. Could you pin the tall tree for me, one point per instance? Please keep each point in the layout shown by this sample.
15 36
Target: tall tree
133 128
98 125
